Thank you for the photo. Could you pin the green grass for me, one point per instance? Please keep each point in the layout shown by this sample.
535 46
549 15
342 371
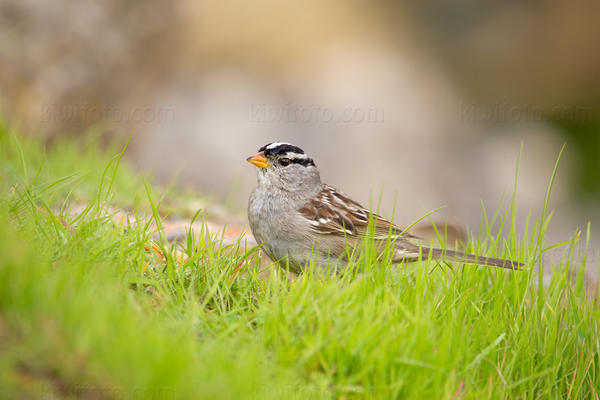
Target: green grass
86 311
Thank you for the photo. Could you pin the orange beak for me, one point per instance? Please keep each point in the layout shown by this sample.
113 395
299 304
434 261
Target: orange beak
259 160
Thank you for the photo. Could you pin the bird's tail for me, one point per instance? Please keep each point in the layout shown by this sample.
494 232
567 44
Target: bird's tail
450 255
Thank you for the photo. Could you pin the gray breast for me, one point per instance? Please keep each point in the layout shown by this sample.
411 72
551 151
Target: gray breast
279 228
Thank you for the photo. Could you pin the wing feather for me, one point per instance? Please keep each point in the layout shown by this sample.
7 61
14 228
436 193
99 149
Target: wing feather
331 212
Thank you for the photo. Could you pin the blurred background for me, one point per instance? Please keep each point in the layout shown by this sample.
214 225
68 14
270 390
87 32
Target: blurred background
428 101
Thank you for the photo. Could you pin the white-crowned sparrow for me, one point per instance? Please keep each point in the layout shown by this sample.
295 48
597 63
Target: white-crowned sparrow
295 217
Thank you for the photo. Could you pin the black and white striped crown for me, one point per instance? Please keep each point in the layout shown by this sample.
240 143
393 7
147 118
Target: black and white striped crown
286 150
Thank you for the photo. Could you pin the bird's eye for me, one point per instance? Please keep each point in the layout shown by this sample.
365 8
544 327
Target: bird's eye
285 162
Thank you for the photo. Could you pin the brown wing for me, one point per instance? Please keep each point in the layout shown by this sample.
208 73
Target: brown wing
331 212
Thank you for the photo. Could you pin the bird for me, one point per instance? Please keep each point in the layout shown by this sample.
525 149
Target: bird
296 218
